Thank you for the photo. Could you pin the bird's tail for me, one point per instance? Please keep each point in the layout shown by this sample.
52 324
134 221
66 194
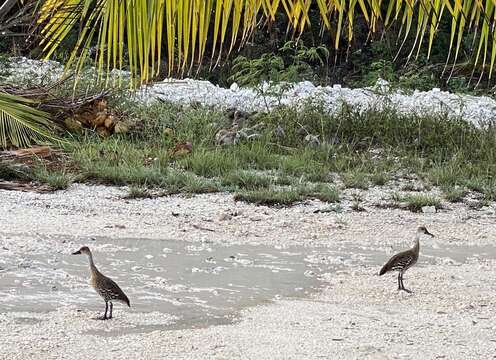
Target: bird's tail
384 269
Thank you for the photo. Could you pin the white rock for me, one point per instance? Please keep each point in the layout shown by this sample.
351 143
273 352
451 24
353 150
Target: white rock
429 209
479 110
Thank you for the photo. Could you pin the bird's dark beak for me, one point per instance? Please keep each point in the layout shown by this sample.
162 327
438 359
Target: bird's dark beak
428 233
77 252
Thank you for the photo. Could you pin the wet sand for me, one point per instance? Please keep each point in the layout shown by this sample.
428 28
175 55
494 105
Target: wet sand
213 279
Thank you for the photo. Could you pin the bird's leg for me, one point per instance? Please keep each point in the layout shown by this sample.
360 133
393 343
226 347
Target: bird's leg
400 283
111 307
403 286
104 317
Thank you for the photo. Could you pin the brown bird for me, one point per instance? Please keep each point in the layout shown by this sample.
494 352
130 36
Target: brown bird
104 286
405 259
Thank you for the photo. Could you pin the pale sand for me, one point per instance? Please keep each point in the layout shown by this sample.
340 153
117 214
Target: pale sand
357 316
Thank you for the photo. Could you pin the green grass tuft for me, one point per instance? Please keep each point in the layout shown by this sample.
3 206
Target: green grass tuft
270 197
454 194
288 196
57 180
416 202
323 192
246 180
355 180
379 178
135 192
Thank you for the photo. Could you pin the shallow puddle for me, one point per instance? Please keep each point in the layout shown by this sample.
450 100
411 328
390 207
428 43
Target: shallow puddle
200 284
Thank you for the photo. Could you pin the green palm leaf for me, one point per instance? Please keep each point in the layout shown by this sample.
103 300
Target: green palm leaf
22 125
140 27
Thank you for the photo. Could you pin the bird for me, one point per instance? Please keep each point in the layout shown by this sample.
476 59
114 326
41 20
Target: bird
405 259
103 285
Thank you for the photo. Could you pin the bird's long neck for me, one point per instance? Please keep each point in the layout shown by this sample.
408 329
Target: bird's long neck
93 268
416 246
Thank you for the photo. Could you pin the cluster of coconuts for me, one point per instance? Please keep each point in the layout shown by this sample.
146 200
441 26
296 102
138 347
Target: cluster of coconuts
98 117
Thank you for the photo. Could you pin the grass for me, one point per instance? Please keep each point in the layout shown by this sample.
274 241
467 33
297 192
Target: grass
415 202
174 182
355 180
138 193
247 180
322 192
454 194
490 192
11 172
379 178
447 153
196 185
57 180
289 195
269 197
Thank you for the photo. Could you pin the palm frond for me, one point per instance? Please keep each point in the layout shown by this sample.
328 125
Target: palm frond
134 31
22 125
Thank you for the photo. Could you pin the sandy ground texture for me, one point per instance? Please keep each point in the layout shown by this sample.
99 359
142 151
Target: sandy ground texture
355 315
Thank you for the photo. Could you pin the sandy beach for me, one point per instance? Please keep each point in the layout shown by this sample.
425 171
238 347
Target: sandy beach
283 283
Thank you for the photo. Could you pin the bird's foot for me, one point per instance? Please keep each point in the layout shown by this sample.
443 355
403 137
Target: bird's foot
406 290
103 317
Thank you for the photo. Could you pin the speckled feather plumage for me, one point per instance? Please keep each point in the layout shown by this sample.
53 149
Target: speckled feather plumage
401 261
107 288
